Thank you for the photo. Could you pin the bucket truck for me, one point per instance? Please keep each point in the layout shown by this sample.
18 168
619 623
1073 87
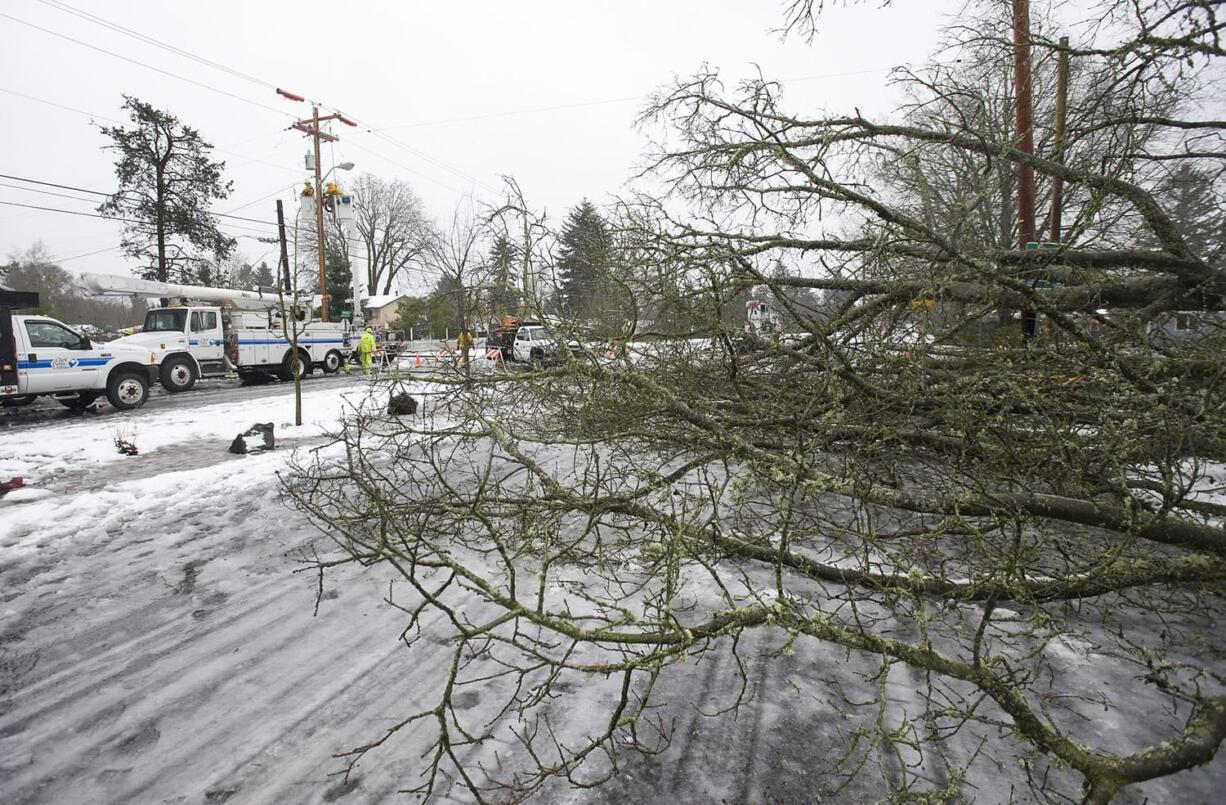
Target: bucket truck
204 332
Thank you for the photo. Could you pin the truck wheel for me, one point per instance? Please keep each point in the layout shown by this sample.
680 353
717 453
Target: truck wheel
286 372
127 391
83 400
178 374
17 402
332 362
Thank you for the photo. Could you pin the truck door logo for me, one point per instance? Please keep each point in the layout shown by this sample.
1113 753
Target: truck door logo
72 363
64 363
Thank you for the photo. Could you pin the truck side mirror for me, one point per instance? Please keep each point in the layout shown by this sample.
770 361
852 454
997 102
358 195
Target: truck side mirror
86 343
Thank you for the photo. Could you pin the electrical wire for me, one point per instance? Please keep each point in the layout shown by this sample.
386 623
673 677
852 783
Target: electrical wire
272 226
52 184
44 192
86 254
603 102
247 77
112 53
70 212
61 106
93 116
114 26
402 166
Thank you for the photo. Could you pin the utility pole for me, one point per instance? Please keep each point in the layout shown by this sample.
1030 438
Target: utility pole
311 128
284 250
1024 109
1057 185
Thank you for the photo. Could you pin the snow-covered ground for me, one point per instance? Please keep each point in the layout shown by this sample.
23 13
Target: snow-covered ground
158 646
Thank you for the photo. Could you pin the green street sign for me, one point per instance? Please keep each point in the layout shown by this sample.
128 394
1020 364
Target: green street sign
346 314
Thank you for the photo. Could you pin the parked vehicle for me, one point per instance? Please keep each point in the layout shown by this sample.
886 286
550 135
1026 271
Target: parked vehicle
527 342
241 332
40 356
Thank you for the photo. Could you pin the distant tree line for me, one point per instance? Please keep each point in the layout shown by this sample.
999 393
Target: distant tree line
59 295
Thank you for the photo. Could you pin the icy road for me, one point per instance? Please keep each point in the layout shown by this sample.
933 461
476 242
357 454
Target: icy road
157 645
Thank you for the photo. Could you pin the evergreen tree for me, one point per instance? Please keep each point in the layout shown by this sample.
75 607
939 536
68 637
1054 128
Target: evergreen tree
262 277
413 316
166 184
445 306
1198 211
505 294
241 276
584 262
340 276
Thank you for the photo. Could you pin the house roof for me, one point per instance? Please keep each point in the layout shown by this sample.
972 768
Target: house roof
382 301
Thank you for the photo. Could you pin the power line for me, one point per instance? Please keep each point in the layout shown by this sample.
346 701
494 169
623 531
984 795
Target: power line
61 106
428 158
513 112
215 65
224 68
257 201
603 102
44 192
272 226
93 116
52 184
86 254
69 212
114 26
402 166
143 64
100 193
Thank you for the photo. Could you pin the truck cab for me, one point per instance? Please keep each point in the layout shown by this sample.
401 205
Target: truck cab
190 343
40 356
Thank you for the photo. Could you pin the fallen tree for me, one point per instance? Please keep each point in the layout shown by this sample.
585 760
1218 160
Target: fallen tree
904 478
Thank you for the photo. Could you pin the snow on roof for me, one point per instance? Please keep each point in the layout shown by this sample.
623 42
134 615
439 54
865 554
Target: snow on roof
381 301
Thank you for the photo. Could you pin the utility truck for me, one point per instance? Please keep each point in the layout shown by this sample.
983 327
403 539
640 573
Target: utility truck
40 356
201 332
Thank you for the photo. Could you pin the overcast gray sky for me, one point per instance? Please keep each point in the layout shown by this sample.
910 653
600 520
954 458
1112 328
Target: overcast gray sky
451 95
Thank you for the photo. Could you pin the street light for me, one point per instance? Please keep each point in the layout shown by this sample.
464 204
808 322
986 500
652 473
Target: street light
345 166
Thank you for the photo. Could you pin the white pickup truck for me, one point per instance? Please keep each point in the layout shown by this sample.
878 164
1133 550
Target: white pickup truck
40 356
534 345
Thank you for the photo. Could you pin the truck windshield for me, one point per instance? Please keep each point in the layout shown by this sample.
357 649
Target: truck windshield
165 320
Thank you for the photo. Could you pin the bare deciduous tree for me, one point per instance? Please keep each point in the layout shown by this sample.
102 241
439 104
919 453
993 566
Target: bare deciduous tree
394 228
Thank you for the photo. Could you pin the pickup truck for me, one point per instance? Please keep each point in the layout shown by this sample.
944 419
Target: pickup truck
40 356
534 346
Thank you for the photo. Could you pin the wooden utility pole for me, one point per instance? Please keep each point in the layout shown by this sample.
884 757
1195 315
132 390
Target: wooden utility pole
1057 185
1024 110
284 249
312 129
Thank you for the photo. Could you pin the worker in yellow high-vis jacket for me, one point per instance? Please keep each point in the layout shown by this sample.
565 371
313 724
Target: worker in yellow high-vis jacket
366 348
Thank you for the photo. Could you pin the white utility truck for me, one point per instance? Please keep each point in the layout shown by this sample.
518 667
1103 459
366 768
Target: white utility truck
40 356
210 332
